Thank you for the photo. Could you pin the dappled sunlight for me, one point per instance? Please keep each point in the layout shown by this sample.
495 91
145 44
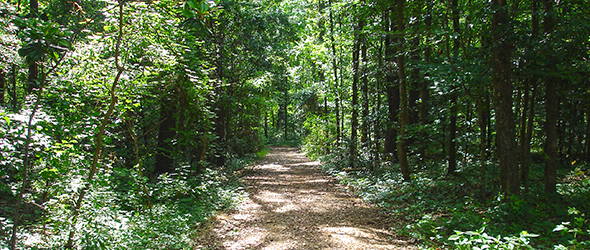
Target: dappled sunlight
358 237
294 205
274 167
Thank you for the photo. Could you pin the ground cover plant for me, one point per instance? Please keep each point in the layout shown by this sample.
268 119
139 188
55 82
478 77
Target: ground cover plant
468 118
444 211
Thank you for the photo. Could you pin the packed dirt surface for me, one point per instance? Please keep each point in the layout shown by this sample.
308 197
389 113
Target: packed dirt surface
292 204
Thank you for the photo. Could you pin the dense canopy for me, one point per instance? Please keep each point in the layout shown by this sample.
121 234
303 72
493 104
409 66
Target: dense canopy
126 123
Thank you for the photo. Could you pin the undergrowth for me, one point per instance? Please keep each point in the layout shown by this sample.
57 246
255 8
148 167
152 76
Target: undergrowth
456 212
122 216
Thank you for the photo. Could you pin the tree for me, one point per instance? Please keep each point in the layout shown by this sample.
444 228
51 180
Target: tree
355 82
404 113
501 63
551 104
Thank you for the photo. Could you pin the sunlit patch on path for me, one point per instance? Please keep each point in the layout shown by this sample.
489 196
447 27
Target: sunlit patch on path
293 205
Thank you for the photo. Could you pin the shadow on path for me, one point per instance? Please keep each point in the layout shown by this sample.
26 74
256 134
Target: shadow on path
292 204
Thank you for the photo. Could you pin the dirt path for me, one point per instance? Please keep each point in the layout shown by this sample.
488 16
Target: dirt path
293 205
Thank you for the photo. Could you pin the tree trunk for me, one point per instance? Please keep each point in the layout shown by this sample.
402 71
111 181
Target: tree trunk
551 116
424 89
402 147
452 135
335 70
377 128
483 112
285 112
392 89
526 132
164 159
587 137
14 97
2 86
528 111
501 51
355 97
365 94
551 106
454 95
33 67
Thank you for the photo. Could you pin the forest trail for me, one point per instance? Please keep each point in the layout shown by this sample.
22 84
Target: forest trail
292 204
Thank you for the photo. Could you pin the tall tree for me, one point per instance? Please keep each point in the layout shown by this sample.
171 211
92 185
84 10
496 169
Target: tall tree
33 66
391 85
355 82
404 116
551 103
528 111
501 78
335 71
454 93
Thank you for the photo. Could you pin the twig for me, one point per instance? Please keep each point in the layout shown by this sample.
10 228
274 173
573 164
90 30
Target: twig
100 135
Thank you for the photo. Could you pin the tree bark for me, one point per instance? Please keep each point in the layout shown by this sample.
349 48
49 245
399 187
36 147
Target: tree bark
166 132
483 113
528 110
454 95
501 56
33 67
402 147
2 86
551 105
392 89
335 70
425 89
452 135
365 94
355 99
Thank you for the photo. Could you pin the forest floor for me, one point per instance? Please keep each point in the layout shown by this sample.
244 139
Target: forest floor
292 204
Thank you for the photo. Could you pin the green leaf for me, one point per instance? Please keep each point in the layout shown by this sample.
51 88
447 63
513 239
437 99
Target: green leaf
186 12
559 228
455 237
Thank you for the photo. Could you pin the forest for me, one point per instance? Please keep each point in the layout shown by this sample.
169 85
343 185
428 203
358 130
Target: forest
129 123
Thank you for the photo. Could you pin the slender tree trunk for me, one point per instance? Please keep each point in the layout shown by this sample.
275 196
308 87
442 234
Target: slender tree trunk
392 89
285 111
99 136
402 147
335 70
482 111
14 97
452 135
355 82
365 94
501 62
377 128
266 125
164 158
327 129
2 86
526 147
454 95
221 108
355 99
552 113
587 137
551 106
33 67
528 111
424 89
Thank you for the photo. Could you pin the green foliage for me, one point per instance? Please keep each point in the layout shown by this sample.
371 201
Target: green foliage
481 240
42 39
577 232
198 14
